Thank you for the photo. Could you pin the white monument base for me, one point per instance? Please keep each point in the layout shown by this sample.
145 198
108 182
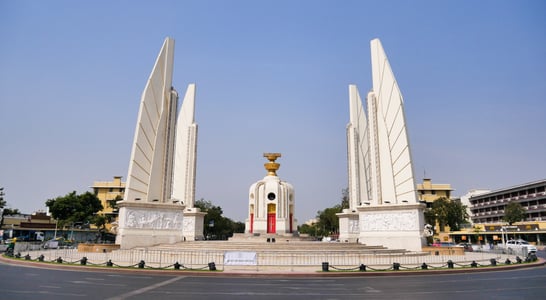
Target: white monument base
396 226
149 224
348 226
194 220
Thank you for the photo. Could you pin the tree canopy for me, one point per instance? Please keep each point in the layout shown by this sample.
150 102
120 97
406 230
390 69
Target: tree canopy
447 212
514 212
327 220
73 208
217 226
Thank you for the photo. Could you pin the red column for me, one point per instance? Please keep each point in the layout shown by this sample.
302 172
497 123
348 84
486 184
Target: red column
251 223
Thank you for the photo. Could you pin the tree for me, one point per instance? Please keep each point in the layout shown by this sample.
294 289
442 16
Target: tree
5 211
217 227
447 212
514 212
2 201
11 211
328 221
73 208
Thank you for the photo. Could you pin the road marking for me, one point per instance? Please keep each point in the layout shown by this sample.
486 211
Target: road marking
145 289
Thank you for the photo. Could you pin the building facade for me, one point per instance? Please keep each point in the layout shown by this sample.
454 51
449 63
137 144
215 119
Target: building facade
487 212
489 207
428 192
109 192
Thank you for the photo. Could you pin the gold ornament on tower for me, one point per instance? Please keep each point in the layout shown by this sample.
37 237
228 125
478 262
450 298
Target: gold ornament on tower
272 166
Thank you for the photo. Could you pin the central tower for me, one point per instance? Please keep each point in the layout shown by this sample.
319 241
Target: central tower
271 203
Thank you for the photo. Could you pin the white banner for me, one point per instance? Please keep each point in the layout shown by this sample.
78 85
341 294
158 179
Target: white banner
239 258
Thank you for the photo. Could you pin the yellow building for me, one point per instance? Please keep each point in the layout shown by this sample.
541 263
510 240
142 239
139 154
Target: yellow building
429 192
109 192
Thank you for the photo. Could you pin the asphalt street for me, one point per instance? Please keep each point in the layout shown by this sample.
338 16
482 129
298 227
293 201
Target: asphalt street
23 282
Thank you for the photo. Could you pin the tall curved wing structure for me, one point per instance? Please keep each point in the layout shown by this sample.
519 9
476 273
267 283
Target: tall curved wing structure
150 171
159 194
358 151
394 166
183 187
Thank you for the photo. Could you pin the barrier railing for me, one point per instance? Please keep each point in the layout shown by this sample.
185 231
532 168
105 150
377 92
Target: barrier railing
200 260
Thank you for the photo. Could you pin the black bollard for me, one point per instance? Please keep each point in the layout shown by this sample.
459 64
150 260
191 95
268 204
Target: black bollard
177 266
212 266
141 264
41 257
507 261
83 261
424 266
325 266
450 264
362 268
59 260
396 266
518 259
474 264
27 257
493 262
109 263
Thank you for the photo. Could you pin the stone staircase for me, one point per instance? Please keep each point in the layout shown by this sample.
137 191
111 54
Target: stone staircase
280 244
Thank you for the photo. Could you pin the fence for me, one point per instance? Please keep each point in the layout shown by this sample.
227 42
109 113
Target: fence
265 260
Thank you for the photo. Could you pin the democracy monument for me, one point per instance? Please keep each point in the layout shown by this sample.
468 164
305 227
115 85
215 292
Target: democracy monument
159 226
158 205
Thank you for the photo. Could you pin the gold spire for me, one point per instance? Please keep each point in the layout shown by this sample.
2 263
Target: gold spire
272 166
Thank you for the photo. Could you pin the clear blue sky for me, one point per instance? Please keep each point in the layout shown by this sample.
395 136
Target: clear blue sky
272 76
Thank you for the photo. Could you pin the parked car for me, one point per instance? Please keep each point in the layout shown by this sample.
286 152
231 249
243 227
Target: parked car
467 247
517 246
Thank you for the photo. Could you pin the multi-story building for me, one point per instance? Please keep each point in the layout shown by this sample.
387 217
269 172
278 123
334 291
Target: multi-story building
487 212
109 192
465 199
489 207
429 192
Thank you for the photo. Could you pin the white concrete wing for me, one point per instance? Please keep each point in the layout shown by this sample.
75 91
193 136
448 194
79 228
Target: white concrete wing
148 170
394 166
183 188
358 151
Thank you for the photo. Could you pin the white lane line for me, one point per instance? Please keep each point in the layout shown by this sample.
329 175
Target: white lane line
145 289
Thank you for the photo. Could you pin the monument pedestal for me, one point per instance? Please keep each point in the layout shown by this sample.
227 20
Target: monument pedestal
148 224
348 226
194 219
397 226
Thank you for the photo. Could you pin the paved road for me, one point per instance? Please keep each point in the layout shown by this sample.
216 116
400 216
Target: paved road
19 282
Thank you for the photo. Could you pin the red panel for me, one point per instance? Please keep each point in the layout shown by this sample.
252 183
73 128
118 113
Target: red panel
271 224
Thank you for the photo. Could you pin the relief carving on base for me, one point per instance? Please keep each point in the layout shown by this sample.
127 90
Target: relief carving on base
353 226
401 221
189 224
153 219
